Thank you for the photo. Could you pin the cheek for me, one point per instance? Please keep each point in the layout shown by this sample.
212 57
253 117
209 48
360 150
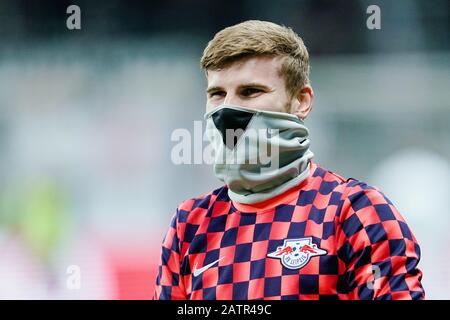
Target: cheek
211 104
273 101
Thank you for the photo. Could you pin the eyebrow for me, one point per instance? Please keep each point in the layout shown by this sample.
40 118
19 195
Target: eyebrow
254 85
212 89
247 85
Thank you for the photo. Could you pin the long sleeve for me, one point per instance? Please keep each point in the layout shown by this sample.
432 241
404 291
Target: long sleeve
377 248
169 282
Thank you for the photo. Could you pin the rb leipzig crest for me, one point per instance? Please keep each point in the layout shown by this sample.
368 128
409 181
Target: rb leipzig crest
296 253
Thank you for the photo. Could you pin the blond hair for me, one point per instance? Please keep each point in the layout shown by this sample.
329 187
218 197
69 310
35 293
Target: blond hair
257 38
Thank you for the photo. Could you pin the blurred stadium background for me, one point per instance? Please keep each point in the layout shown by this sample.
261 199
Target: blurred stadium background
86 178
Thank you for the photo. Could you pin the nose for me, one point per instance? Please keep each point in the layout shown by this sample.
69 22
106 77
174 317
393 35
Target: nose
229 99
232 99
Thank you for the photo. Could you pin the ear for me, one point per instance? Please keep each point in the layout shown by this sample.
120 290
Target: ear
302 102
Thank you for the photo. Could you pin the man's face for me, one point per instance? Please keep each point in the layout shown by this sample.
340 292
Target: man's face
252 82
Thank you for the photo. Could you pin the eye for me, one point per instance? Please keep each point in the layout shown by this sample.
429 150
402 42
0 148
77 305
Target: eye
247 92
217 94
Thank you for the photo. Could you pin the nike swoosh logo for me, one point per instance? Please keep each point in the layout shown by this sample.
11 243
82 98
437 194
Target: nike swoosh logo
198 272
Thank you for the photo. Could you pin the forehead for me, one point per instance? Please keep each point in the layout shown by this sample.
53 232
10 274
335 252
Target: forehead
260 69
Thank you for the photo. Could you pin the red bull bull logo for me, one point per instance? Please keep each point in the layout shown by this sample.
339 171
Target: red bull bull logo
296 253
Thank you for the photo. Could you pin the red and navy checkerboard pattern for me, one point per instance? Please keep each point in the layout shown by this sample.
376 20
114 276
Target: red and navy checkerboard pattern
371 252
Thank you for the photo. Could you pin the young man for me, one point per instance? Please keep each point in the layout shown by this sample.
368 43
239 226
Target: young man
285 228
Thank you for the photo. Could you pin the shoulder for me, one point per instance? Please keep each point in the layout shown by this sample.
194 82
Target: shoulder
195 209
366 208
356 196
357 192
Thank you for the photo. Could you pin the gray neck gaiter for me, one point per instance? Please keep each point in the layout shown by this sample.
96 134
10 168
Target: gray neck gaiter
258 154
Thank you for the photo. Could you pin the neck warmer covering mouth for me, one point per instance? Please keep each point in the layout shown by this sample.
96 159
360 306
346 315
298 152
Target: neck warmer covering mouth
258 154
